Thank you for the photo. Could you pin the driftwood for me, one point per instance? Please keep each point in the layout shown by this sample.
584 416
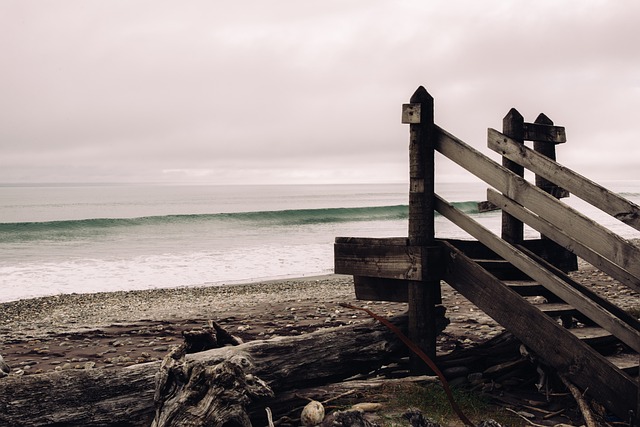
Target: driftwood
125 396
589 419
193 394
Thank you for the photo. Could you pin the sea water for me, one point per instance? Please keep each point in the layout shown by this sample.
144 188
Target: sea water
90 238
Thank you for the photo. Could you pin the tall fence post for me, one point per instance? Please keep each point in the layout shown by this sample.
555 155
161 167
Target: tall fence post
423 296
513 127
547 149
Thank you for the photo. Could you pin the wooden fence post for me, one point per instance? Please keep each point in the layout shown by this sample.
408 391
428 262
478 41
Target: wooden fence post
423 296
562 256
513 127
547 149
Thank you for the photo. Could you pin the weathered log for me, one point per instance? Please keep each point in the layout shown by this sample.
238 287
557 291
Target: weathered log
193 395
124 396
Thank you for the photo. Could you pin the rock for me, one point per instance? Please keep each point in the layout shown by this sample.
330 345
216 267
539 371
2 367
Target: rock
312 414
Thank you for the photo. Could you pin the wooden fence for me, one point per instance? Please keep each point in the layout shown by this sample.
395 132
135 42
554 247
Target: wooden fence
494 271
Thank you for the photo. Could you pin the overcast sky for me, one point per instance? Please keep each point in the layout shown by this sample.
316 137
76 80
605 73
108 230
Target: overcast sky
300 91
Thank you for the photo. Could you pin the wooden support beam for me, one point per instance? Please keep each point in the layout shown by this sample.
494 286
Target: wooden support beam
600 197
548 149
423 295
513 125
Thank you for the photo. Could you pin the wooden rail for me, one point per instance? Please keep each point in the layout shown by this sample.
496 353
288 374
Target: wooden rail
410 268
577 226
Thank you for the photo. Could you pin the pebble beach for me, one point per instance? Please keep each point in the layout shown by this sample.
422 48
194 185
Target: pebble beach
85 331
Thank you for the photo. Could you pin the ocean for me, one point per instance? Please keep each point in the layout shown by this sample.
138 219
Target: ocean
58 239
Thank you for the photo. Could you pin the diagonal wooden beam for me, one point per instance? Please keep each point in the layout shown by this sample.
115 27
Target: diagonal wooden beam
626 333
581 228
562 238
600 197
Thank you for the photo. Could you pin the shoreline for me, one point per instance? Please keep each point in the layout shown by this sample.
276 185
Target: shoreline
104 329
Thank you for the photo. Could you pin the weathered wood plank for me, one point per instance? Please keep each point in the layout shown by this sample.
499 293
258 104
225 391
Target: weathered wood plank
422 296
627 362
527 288
556 345
548 149
375 260
595 312
544 133
513 125
559 236
583 229
555 309
381 289
389 241
600 197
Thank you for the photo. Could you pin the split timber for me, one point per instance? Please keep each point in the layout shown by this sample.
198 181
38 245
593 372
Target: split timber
577 332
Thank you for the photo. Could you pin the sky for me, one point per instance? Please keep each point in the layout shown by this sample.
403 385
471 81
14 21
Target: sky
298 92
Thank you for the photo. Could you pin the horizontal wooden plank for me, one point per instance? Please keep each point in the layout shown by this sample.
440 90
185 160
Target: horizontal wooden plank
628 362
544 133
555 309
559 236
531 268
528 288
592 334
600 197
379 289
389 241
385 261
556 345
587 231
374 258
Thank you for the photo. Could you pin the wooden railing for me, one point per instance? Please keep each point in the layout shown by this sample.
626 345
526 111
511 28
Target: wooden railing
566 226
411 268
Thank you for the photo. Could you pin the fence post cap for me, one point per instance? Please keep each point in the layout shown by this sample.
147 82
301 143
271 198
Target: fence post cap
420 96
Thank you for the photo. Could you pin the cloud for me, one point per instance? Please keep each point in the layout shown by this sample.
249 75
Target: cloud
124 90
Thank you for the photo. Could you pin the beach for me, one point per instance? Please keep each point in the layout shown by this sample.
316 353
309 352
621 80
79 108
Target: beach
103 330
